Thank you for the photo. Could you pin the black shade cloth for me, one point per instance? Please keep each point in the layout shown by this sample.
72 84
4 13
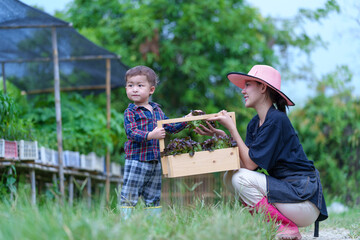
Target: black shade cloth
26 51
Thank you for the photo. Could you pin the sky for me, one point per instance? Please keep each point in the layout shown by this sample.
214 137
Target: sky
339 31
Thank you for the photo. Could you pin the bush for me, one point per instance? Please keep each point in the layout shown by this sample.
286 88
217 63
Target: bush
329 129
83 125
12 126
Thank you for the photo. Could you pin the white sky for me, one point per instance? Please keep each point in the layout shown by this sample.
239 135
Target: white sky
340 31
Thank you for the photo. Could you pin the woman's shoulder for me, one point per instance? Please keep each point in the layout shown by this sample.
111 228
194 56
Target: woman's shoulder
275 116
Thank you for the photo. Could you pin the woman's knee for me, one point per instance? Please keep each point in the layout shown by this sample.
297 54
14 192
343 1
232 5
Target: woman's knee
242 178
248 179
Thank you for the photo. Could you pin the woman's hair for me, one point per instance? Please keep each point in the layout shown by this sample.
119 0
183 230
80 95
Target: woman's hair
145 71
277 99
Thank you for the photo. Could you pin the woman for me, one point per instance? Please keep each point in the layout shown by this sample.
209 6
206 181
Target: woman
291 193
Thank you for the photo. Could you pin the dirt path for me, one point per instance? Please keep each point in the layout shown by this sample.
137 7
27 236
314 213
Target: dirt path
328 234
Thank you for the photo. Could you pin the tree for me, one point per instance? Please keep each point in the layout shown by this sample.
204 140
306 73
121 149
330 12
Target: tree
192 45
329 129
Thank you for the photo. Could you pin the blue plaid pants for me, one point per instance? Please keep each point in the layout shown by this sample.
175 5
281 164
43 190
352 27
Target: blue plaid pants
141 179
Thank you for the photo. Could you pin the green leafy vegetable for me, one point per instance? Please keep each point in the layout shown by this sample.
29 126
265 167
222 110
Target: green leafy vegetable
196 123
187 145
218 143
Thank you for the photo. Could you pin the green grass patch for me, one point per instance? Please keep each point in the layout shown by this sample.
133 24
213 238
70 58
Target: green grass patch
20 220
224 220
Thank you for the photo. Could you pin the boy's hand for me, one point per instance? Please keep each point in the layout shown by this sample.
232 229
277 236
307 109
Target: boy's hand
157 133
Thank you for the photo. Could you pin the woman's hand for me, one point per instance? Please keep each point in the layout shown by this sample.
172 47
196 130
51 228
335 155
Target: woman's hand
209 130
224 119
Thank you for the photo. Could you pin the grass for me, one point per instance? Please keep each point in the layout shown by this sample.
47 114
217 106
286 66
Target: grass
20 220
225 220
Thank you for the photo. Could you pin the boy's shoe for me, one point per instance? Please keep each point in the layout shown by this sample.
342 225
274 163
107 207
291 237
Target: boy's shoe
125 211
153 211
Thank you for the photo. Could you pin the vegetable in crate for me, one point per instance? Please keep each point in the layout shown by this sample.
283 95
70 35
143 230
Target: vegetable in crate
218 143
196 123
181 145
187 145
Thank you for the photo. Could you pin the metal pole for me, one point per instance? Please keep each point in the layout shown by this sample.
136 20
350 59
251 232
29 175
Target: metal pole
108 111
58 110
11 192
3 77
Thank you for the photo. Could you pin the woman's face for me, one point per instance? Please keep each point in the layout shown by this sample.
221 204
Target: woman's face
252 93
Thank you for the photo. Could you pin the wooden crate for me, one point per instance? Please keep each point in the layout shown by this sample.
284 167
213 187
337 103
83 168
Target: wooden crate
202 162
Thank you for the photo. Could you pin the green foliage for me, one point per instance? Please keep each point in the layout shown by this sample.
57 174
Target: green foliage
192 45
8 180
83 125
330 5
196 123
12 126
329 129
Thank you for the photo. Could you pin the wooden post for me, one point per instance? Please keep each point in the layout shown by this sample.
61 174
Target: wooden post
33 186
11 193
58 110
3 77
108 111
89 191
118 192
71 190
54 179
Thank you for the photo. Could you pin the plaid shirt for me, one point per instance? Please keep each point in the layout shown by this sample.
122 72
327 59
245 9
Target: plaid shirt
138 122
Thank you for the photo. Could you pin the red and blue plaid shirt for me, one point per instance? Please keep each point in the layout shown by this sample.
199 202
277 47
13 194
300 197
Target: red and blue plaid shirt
138 122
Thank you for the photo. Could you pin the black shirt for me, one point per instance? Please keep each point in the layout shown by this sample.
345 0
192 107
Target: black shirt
275 147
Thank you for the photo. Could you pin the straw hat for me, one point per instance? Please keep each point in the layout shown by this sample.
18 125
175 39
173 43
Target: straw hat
263 74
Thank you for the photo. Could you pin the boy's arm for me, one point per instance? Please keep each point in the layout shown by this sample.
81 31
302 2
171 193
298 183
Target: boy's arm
175 127
132 132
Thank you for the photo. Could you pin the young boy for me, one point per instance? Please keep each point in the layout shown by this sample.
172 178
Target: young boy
142 172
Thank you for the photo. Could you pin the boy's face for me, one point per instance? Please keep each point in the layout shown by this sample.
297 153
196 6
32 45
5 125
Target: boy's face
138 89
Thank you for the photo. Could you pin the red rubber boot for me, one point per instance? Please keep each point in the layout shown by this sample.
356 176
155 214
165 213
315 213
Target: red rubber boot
287 229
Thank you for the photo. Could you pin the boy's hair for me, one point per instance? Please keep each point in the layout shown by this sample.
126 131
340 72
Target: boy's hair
145 71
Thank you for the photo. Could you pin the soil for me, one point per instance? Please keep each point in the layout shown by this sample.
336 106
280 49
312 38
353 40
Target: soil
328 234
